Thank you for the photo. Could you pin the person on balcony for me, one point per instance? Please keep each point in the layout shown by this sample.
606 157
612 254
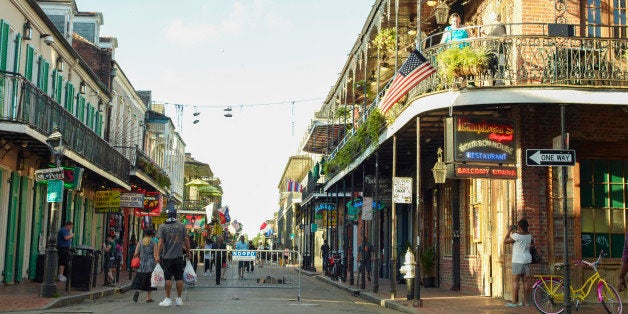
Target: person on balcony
454 32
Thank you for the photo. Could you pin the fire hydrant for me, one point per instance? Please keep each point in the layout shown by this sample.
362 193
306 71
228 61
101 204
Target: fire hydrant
408 270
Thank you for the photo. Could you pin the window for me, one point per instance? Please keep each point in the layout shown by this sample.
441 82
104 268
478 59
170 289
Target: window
603 193
600 13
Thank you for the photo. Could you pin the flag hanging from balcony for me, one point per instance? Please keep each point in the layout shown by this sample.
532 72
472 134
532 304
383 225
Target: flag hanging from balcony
293 186
412 72
263 226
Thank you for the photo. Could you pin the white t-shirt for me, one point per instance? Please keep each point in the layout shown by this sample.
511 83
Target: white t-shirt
521 248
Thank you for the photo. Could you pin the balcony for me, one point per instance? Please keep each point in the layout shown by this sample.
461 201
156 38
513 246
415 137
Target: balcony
26 105
526 57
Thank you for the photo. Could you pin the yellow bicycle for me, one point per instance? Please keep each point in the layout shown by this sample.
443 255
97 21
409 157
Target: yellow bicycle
548 291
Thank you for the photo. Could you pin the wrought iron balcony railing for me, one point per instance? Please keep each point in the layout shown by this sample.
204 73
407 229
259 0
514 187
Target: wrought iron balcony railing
24 103
525 56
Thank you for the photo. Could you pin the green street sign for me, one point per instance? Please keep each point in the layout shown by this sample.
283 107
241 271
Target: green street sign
314 227
55 191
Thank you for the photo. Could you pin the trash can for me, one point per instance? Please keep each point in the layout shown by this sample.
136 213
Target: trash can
83 264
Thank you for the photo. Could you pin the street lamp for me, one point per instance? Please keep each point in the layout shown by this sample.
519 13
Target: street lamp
49 287
441 12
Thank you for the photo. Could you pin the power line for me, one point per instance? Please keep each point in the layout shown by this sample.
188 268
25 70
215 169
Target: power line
243 105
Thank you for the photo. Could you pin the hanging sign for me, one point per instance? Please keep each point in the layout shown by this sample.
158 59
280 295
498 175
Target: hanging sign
132 200
152 206
107 202
55 191
480 140
402 190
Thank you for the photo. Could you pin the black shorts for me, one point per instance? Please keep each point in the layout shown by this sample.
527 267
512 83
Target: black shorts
241 264
173 267
64 256
366 266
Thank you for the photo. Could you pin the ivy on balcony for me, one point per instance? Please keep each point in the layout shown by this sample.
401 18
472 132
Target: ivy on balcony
153 171
366 134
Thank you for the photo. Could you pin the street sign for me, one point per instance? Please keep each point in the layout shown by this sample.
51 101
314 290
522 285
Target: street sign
550 157
49 174
55 191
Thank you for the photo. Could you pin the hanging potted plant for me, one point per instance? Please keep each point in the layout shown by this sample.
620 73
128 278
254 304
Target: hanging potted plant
385 42
455 62
427 258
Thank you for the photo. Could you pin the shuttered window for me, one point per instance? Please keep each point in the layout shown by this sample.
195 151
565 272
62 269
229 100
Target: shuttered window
69 97
28 66
42 77
4 44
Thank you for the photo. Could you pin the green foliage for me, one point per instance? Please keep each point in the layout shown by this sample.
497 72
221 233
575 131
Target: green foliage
427 258
456 62
367 133
342 112
385 40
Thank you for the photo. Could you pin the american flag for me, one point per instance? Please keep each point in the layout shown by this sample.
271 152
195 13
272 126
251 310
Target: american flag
412 72
293 186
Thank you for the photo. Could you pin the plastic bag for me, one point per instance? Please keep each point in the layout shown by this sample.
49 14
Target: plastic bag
189 275
157 278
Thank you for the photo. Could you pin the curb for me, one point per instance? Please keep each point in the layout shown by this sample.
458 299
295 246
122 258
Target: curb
363 294
89 295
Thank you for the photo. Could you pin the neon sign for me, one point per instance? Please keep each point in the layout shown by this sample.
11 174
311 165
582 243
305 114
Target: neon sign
478 139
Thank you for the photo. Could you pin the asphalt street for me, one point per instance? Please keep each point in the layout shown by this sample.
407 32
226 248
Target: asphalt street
316 297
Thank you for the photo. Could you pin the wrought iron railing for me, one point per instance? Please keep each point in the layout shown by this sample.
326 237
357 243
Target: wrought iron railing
526 56
24 103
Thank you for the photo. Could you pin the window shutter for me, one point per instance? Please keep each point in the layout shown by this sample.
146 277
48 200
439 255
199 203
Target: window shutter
18 53
69 97
79 105
28 67
4 44
42 77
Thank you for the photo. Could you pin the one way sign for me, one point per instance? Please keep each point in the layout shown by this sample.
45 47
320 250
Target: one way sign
550 157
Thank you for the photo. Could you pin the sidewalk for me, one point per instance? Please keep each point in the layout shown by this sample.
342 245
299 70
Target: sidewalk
433 300
25 296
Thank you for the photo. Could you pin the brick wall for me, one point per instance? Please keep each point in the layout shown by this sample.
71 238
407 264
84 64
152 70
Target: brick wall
98 59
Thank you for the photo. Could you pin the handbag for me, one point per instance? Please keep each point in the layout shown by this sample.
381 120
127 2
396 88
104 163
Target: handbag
135 263
536 257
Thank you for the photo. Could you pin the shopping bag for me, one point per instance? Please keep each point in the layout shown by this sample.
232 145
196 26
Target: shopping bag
157 278
189 276
135 263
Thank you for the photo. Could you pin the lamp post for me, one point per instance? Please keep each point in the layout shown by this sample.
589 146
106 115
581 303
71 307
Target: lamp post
49 287
440 168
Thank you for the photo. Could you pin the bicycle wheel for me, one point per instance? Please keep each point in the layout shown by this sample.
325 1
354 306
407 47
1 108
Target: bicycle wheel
609 297
548 296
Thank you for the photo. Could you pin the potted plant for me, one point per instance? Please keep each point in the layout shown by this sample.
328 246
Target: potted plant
427 259
385 41
455 62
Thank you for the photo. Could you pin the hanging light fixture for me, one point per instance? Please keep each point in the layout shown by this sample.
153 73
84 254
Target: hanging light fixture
82 88
441 12
27 31
440 168
60 65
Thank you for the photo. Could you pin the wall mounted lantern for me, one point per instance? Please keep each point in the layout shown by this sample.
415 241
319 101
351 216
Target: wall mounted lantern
60 64
441 12
28 31
440 168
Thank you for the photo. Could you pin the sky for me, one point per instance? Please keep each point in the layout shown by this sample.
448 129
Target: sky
255 56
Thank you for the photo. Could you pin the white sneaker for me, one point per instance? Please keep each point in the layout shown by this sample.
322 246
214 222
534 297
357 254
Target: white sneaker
205 275
178 301
62 278
166 302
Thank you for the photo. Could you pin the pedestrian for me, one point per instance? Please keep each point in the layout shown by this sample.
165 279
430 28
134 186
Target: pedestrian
453 32
209 256
521 241
173 243
365 256
251 264
325 255
220 249
109 247
262 254
64 241
241 246
286 254
194 245
132 246
145 250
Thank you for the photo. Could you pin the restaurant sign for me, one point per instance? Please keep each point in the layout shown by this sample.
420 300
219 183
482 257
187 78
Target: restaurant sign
484 171
480 140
